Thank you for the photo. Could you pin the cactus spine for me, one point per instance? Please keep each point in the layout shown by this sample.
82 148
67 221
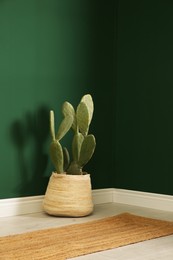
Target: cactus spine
83 144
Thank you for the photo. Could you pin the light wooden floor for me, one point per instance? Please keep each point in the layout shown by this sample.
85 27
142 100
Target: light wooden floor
160 249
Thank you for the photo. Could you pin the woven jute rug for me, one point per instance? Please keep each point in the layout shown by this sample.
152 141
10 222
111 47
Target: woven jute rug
80 239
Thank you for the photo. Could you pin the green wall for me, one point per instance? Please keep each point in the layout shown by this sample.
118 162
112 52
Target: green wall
120 52
52 51
144 96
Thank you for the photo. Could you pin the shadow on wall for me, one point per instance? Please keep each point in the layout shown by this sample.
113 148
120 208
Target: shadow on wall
29 137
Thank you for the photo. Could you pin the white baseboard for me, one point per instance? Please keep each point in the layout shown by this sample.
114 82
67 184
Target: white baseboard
20 206
101 196
143 199
29 205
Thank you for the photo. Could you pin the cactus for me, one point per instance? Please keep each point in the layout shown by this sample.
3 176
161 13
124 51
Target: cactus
57 153
66 159
83 144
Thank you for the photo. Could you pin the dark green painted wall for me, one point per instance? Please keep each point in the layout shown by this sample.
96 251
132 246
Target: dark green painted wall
121 53
144 97
52 51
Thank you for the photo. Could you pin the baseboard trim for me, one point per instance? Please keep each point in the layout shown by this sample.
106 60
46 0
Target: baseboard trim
143 199
101 196
33 204
29 205
20 206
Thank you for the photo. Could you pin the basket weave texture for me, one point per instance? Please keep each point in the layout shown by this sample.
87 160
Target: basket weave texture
68 195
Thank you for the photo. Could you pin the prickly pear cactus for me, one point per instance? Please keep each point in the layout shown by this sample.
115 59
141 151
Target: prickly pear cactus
83 144
59 155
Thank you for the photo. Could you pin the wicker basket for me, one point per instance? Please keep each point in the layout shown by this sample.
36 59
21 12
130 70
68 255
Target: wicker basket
68 195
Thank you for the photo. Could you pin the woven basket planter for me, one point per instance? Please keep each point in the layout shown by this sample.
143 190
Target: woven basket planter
68 195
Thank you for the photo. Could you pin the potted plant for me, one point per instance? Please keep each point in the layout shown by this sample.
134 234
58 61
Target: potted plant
69 191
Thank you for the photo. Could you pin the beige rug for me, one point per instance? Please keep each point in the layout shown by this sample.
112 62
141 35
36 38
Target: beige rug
80 239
